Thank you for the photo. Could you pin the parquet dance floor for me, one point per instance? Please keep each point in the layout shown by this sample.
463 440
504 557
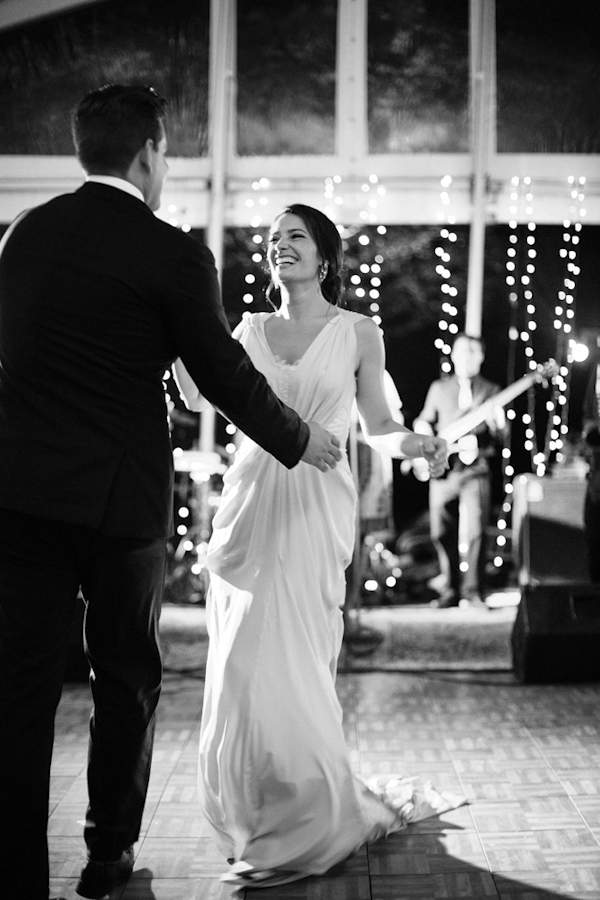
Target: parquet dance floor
526 756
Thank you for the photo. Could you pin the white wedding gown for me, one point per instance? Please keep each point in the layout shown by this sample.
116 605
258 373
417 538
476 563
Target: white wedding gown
275 778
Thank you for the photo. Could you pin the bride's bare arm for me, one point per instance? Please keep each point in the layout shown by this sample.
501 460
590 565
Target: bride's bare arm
188 391
381 431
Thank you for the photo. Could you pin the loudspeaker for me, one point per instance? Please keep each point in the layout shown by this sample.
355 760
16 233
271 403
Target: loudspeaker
548 538
556 634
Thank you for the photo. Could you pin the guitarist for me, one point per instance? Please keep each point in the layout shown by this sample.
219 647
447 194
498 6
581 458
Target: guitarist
466 487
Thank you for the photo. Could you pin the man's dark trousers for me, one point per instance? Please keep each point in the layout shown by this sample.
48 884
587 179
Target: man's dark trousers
42 565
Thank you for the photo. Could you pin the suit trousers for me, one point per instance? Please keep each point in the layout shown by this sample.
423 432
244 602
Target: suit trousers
463 491
43 564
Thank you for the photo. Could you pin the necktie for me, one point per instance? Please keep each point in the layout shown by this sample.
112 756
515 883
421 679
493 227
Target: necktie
465 394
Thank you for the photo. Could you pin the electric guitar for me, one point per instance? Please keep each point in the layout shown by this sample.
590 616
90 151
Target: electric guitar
458 430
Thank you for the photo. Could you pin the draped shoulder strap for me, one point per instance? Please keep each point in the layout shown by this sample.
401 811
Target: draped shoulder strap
249 320
350 317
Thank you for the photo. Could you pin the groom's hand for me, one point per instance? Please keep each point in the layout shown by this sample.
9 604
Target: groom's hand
322 450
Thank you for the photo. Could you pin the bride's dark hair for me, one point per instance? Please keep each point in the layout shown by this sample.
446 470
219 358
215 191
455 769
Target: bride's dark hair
329 247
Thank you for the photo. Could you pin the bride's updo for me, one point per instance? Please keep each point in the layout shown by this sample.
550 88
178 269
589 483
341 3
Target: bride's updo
329 247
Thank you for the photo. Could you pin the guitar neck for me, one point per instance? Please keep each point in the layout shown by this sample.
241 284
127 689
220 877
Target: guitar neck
474 417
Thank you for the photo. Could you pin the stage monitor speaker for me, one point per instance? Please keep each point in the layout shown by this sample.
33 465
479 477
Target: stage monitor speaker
547 529
556 634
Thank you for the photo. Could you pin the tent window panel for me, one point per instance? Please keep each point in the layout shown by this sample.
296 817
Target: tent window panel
548 74
418 76
286 77
46 66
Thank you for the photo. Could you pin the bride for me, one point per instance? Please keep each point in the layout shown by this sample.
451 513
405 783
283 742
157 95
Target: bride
275 780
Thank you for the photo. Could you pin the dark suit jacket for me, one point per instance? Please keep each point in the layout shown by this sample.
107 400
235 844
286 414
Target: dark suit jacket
97 298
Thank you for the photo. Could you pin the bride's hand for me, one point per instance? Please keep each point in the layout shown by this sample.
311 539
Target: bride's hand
435 451
322 450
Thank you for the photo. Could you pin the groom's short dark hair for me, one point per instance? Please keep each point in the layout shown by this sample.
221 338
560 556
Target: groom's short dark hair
111 124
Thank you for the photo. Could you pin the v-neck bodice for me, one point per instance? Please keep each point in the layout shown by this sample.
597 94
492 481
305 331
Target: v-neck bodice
314 341
321 384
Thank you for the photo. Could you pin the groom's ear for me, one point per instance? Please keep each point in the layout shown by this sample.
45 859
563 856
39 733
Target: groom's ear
144 155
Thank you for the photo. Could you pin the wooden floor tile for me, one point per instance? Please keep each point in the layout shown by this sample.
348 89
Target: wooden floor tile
536 885
572 760
67 855
586 782
499 817
181 857
421 854
474 885
460 819
175 820
589 808
544 812
67 819
143 886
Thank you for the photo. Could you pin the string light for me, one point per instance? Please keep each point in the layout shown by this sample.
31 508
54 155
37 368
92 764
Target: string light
365 281
447 324
364 284
258 204
175 216
520 271
565 311
333 200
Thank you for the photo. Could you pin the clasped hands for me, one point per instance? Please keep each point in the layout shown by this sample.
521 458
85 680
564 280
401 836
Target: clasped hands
434 451
323 451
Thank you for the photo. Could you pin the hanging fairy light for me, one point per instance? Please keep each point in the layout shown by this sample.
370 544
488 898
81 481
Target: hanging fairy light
365 282
520 271
258 205
565 309
365 285
333 199
186 512
372 189
175 216
447 323
521 267
539 456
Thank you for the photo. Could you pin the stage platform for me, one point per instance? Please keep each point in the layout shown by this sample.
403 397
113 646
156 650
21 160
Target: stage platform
414 637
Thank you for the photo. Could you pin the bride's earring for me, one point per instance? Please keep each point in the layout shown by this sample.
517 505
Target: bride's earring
323 273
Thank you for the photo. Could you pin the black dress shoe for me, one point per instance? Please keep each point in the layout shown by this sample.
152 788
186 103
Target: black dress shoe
99 877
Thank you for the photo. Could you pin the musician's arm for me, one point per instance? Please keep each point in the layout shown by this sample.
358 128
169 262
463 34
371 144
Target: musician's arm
496 421
426 421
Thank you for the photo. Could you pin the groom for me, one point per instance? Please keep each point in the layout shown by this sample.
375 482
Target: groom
97 298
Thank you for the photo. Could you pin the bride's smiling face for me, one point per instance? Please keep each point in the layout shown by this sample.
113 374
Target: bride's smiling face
292 255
